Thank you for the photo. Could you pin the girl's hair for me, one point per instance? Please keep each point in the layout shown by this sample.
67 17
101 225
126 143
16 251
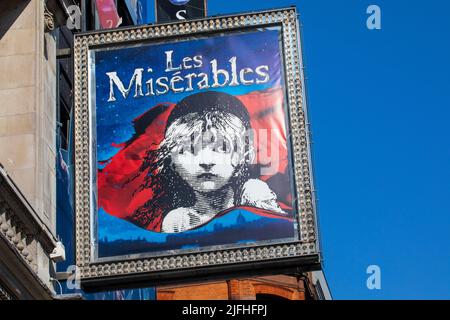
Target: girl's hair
226 121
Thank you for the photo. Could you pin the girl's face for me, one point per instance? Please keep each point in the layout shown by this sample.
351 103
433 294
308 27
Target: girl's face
206 163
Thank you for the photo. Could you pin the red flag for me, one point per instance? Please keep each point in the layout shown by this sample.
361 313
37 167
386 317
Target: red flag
107 13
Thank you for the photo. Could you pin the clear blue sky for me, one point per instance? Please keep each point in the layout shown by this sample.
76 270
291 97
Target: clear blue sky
380 110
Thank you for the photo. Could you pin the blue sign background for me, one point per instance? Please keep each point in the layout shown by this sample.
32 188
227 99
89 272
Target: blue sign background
117 237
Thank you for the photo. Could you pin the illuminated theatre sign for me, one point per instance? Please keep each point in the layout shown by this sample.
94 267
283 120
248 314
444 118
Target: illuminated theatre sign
192 150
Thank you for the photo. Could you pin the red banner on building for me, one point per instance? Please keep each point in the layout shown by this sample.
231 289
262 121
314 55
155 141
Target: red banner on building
107 13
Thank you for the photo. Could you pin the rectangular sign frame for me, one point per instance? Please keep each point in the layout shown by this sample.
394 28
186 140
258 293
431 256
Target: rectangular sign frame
301 255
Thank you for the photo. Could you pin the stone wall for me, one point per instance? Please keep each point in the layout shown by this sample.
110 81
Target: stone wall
28 104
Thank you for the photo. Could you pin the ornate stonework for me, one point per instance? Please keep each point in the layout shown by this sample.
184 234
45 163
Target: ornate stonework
4 295
17 234
269 287
49 22
26 244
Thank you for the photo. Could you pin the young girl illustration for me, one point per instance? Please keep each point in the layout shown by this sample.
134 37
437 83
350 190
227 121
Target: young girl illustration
204 165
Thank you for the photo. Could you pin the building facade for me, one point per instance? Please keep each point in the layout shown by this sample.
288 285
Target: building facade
306 286
28 148
36 211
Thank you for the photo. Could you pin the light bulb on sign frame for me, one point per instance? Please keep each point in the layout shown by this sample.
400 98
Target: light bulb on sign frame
179 2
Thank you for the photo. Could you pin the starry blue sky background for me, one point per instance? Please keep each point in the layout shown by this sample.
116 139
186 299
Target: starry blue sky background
379 105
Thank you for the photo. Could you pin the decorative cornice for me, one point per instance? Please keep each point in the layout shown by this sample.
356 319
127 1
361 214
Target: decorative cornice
24 240
24 215
20 225
4 294
307 244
